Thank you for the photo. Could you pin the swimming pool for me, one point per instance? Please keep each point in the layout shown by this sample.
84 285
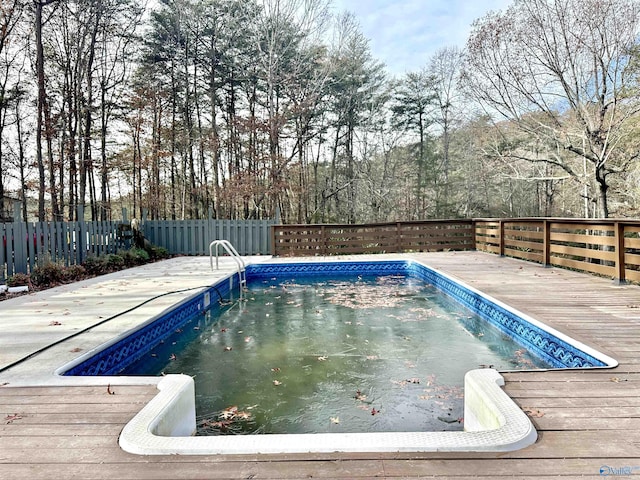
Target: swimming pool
488 411
318 354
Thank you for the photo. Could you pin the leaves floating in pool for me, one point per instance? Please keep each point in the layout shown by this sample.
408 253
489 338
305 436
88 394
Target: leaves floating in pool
348 362
229 420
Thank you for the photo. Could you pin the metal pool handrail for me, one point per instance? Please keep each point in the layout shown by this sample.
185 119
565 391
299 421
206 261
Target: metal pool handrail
233 253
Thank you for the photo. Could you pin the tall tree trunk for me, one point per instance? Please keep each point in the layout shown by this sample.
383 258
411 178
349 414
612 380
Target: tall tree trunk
86 166
42 98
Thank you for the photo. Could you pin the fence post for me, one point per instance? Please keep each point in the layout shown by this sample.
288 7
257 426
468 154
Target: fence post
210 235
20 241
546 243
323 240
501 233
81 240
620 251
474 225
273 241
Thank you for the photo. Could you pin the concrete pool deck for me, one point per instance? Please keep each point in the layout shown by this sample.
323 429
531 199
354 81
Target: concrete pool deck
588 421
38 320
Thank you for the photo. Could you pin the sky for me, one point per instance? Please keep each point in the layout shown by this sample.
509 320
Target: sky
404 34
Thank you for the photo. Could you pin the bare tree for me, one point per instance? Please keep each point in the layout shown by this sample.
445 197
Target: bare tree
445 67
44 123
10 13
559 69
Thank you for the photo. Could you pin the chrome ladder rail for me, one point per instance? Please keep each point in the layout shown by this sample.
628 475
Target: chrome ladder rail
233 253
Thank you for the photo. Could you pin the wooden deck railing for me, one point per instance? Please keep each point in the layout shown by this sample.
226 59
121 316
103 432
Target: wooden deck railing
295 240
609 248
604 247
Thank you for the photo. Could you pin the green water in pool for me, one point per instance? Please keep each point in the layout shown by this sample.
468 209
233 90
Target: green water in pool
378 354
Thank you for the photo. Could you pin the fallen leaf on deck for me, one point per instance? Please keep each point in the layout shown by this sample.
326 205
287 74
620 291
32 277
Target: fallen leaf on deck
10 418
109 391
618 380
54 323
533 413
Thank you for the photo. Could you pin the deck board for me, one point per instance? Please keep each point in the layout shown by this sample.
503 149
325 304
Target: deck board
585 419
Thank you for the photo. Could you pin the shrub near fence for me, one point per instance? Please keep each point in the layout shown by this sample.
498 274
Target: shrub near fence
25 245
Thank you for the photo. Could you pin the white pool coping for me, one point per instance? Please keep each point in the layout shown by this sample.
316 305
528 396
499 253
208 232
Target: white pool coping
492 423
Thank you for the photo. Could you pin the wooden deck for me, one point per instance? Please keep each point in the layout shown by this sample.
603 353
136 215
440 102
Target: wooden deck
585 419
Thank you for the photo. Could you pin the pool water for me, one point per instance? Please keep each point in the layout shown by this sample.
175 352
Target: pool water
378 354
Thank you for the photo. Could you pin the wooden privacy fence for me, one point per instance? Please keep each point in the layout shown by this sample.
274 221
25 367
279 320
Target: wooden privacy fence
25 245
192 237
604 247
436 235
609 248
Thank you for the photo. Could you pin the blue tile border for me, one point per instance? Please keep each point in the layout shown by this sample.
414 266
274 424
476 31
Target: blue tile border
124 351
116 356
269 270
547 346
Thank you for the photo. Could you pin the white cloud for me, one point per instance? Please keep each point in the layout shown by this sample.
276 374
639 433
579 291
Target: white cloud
405 34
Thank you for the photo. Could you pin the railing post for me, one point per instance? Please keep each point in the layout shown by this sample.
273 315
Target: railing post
273 241
620 251
501 233
473 234
546 243
398 237
323 240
